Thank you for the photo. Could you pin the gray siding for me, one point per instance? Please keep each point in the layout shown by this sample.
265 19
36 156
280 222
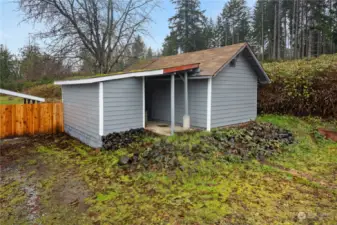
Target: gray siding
123 104
234 94
197 97
81 115
161 102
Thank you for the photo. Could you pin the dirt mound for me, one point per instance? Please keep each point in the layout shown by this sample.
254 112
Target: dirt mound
256 140
118 140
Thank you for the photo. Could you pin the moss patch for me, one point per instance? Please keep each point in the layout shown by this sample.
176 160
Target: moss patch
206 190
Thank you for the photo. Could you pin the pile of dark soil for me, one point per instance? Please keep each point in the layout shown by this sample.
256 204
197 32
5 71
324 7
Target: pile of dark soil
118 140
256 140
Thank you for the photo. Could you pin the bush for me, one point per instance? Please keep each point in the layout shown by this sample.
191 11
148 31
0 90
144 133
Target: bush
301 87
49 91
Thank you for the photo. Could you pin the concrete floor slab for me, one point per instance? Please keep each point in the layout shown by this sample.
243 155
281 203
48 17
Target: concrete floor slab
162 128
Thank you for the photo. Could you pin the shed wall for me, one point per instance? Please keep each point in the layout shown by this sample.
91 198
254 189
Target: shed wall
234 94
81 112
161 104
123 105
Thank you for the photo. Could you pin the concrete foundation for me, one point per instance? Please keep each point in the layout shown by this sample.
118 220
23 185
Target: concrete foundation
162 128
186 122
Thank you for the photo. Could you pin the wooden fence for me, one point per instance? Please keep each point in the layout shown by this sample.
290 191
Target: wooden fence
29 119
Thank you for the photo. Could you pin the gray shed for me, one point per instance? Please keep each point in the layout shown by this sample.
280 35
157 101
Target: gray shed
203 89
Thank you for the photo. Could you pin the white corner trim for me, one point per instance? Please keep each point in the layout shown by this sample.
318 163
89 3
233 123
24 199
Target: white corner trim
101 109
143 86
62 94
16 94
112 77
209 103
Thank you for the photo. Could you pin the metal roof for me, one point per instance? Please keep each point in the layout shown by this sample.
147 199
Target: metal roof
128 75
17 94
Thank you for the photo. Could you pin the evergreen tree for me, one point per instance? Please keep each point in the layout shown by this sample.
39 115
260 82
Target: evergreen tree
138 48
188 24
7 66
297 28
235 22
209 35
170 45
149 54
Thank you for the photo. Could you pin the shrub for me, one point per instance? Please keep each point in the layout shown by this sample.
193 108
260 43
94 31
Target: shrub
49 91
301 87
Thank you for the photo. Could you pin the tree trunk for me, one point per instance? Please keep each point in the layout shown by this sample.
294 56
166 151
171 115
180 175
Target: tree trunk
279 31
296 29
262 31
285 35
302 26
275 31
323 43
293 22
318 52
309 34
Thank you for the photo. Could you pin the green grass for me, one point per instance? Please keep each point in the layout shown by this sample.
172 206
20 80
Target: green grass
205 191
6 100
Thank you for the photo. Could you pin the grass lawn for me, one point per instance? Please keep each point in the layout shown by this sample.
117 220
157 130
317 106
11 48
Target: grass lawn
6 100
58 180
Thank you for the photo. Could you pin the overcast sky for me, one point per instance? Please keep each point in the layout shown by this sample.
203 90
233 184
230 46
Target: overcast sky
15 34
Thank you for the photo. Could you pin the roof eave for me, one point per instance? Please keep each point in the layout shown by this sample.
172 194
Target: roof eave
112 77
261 70
20 95
157 72
233 57
265 76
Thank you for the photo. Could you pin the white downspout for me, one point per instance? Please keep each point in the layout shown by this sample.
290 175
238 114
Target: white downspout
209 103
101 109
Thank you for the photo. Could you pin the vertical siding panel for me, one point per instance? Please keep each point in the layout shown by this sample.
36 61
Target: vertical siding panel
54 118
36 120
13 119
19 119
2 121
7 127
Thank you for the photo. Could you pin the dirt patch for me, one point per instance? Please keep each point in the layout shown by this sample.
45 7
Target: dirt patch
71 192
328 134
42 182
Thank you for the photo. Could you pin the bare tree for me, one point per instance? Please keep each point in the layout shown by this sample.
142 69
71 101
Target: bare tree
104 28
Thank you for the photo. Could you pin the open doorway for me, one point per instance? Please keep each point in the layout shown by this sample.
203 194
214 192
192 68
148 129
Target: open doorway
158 105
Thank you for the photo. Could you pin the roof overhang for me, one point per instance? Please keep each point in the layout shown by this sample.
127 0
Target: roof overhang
129 75
16 94
263 77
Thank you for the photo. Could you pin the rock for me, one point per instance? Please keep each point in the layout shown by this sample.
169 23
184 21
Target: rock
301 216
123 160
